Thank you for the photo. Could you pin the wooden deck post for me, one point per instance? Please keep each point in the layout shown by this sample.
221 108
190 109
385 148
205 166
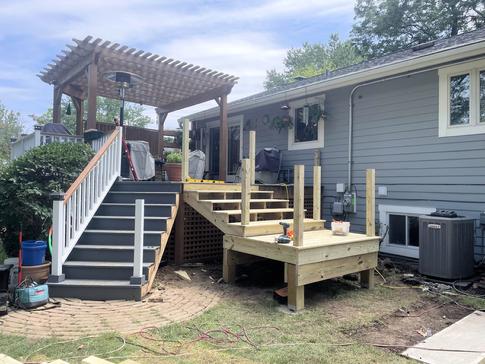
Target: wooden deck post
56 105
223 138
79 106
370 202
92 93
317 194
245 191
162 116
367 276
185 150
296 294
252 155
228 266
298 205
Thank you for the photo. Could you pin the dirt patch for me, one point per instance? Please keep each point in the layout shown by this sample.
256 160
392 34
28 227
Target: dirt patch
407 327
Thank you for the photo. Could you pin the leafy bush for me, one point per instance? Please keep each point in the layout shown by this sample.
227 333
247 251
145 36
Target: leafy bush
174 157
26 184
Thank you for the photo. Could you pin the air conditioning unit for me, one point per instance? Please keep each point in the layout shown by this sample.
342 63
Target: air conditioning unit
446 246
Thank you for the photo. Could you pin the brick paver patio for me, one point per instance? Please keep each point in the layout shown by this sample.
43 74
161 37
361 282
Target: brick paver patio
171 300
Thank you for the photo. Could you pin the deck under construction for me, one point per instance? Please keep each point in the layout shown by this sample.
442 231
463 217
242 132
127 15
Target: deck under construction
249 217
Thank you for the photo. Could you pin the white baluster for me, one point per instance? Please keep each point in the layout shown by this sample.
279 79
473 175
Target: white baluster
138 276
58 218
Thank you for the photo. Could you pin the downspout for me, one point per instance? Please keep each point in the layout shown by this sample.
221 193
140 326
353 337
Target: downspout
351 105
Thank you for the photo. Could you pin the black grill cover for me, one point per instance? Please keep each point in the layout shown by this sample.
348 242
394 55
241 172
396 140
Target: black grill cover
268 160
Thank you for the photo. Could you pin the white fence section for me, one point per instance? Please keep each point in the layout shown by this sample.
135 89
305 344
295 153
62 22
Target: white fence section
72 214
98 143
38 138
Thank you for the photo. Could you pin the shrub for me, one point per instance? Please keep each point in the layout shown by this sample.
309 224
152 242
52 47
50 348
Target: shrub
174 157
26 184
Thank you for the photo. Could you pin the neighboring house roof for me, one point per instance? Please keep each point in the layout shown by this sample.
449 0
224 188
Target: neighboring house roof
438 50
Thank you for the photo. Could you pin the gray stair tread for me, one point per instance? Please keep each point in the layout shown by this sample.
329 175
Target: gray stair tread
102 264
130 217
94 283
121 231
276 222
255 211
222 191
112 247
145 192
239 200
132 204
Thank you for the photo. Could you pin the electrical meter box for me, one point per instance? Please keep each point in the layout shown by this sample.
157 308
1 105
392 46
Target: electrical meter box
349 202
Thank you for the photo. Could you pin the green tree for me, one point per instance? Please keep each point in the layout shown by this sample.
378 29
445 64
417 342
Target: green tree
10 127
106 111
384 26
313 59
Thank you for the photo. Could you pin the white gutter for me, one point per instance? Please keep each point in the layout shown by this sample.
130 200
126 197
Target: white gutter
447 55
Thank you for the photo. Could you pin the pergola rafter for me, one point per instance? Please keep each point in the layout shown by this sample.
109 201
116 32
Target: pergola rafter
167 84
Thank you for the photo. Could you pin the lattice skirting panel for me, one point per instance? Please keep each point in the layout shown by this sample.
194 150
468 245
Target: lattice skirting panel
202 241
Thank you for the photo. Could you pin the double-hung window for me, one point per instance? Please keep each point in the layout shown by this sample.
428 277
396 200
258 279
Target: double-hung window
462 99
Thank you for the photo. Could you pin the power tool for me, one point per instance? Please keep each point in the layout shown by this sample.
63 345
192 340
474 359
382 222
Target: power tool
284 239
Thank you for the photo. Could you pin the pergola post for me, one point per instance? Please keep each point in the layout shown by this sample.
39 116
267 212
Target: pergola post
79 106
223 134
92 87
56 105
162 116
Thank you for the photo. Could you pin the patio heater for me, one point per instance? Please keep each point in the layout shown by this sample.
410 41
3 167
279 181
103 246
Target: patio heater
124 81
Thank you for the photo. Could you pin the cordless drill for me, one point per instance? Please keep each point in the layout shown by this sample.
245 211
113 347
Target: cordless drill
284 239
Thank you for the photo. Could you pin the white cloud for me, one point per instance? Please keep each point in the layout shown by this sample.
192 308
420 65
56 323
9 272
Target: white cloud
240 37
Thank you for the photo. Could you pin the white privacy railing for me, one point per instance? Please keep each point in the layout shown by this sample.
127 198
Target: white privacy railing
73 212
38 138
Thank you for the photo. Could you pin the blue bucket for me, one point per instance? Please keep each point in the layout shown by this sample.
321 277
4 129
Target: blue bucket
33 252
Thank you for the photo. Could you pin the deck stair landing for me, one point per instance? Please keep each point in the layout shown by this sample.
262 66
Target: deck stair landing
101 263
221 205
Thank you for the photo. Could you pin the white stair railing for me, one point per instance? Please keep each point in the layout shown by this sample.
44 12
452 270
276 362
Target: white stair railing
73 211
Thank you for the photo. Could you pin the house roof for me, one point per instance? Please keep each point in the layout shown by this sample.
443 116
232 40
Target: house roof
401 57
166 83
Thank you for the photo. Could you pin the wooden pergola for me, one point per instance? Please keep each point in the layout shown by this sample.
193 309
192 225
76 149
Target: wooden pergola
167 84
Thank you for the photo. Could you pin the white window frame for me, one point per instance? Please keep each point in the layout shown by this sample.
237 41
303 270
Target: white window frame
319 143
396 249
445 74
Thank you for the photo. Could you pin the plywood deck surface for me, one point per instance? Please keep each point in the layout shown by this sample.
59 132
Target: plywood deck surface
466 334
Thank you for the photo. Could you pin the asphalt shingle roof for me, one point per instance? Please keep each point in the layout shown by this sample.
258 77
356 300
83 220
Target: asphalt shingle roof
439 44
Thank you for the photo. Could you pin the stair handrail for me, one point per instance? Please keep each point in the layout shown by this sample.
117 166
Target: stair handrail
73 210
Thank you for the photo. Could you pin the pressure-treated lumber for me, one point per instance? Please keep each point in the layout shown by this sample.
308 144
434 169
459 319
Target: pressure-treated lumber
252 155
185 150
245 191
370 202
298 204
296 292
317 188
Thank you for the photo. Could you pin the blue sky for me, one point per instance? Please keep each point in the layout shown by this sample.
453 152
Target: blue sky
243 38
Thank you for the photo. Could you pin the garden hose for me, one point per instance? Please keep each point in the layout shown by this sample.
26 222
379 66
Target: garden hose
49 240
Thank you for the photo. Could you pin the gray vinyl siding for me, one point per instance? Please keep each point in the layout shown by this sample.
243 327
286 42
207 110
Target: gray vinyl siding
395 132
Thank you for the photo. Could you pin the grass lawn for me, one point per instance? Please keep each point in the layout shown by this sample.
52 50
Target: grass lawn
332 329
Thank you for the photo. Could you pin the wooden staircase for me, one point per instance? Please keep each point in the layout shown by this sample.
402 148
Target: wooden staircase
100 265
221 205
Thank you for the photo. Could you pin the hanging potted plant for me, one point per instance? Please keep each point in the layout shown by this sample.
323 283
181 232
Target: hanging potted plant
173 166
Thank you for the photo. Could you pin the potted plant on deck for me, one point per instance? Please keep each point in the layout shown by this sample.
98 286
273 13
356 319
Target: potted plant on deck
173 166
